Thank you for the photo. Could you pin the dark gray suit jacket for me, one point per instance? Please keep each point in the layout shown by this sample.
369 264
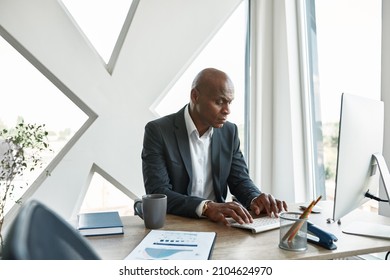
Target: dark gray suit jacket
166 164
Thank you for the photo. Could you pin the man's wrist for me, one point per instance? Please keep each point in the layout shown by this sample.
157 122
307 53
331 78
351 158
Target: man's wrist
199 209
205 207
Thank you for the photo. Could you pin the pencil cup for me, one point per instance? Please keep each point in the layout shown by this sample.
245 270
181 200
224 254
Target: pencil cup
293 232
152 208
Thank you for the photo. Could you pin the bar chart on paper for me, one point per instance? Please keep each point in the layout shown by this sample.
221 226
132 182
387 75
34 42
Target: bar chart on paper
174 245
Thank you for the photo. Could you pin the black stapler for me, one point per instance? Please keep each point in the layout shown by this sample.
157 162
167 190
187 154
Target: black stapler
321 237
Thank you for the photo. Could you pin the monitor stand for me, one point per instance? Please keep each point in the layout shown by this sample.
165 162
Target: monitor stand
372 229
384 171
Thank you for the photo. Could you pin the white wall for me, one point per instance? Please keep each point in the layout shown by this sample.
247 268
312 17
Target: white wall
163 38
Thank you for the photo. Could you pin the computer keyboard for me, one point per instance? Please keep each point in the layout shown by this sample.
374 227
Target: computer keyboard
259 224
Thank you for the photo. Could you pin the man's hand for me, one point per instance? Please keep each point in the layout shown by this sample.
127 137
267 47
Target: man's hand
218 212
266 203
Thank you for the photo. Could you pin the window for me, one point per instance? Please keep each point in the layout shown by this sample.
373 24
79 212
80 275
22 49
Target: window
102 195
26 93
347 39
101 21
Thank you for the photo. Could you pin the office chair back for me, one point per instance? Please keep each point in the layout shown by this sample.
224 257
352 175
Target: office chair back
38 233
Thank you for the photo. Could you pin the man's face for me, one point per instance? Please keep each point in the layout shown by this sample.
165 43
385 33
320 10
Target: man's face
212 105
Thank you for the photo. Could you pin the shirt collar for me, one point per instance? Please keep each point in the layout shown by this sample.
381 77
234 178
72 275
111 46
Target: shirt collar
191 128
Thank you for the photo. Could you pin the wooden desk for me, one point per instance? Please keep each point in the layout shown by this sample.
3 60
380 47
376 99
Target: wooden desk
234 243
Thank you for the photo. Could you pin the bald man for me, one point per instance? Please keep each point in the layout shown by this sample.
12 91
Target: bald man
193 156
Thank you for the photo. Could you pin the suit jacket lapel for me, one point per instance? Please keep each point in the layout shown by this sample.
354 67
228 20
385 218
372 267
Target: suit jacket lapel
216 162
182 141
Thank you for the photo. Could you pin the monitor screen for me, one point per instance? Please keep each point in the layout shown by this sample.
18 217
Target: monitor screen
360 136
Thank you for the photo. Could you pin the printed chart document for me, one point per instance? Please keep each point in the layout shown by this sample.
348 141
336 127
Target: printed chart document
174 245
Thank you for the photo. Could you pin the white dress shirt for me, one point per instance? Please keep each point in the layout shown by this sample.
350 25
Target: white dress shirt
200 149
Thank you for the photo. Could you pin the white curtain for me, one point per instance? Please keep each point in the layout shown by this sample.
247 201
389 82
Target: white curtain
277 159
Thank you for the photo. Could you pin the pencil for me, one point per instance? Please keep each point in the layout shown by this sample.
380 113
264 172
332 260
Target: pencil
308 210
296 227
298 224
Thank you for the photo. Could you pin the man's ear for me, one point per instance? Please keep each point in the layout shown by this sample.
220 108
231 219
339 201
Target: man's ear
194 95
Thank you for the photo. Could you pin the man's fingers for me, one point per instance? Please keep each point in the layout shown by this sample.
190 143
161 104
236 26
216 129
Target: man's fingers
264 200
267 203
218 212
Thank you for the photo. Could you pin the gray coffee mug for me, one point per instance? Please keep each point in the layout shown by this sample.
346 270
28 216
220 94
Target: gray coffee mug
152 208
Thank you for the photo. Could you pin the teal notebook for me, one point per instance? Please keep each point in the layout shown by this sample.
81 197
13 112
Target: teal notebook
100 223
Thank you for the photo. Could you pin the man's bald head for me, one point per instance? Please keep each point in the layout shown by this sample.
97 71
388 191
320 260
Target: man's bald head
211 77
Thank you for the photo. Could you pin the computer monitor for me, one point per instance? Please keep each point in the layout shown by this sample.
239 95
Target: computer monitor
360 136
360 163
